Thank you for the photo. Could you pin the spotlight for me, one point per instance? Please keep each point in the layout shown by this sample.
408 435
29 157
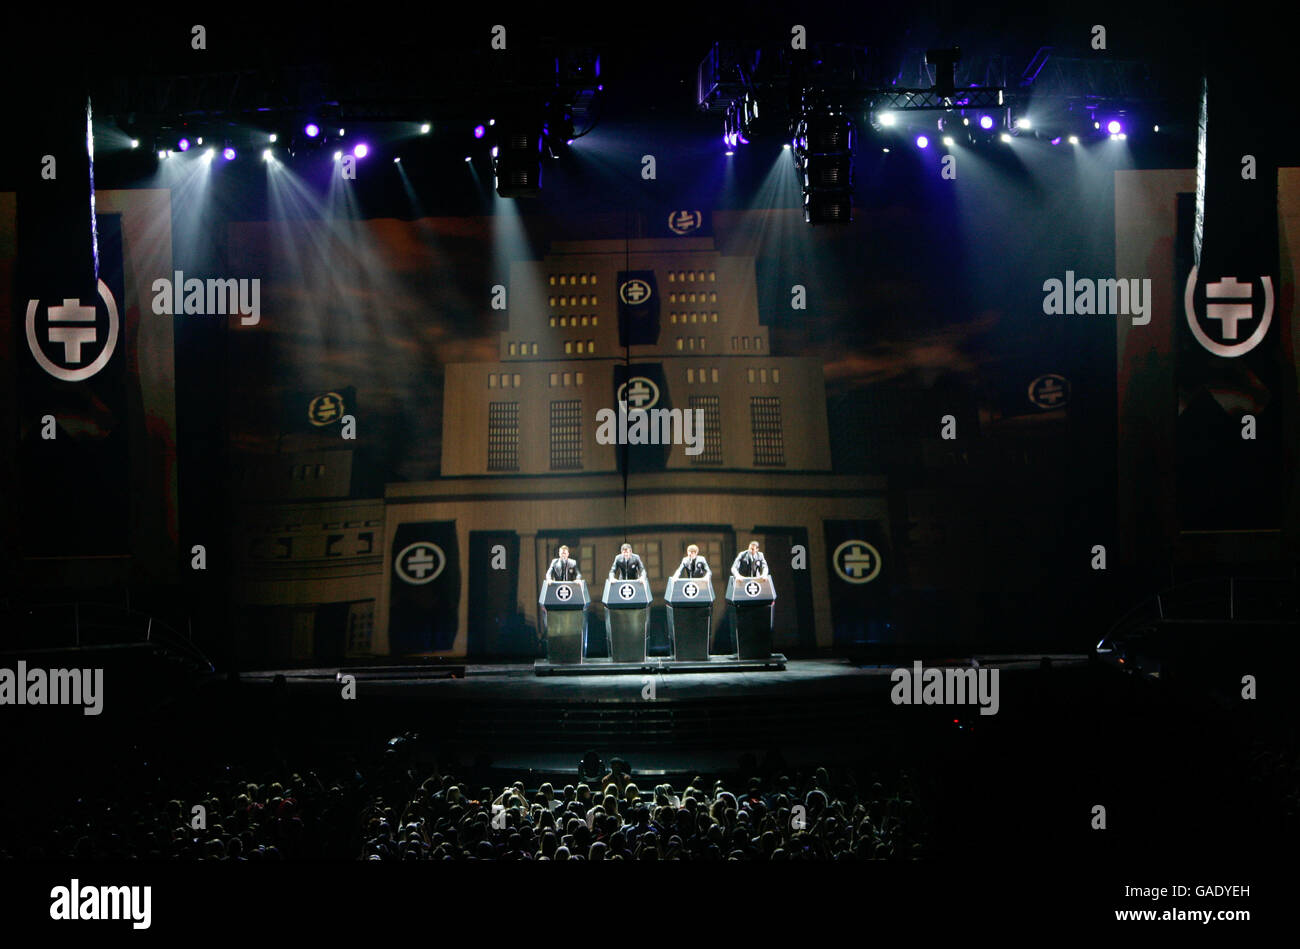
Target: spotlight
492 121
161 154
479 131
1005 137
338 156
1073 140
135 142
425 128
342 132
209 154
1155 128
947 141
965 121
922 142
1122 136
786 146
199 140
272 138
1023 123
468 158
183 144
1057 140
397 160
266 154
729 153
494 151
1113 127
986 122
228 153
362 150
312 129
888 119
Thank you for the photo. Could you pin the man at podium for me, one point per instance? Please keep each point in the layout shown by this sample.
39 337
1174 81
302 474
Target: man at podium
693 565
562 568
627 565
750 562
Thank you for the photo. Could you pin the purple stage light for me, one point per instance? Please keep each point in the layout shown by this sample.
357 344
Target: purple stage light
228 153
986 122
362 150
1113 127
312 129
922 142
1057 140
183 144
479 131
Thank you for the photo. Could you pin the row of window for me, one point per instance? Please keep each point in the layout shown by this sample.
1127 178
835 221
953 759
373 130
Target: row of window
761 375
583 300
306 472
566 432
690 342
693 317
701 375
566 379
747 342
691 276
521 349
692 297
574 320
504 380
578 346
573 279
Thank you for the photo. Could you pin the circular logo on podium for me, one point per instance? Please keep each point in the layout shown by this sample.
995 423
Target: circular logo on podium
692 590
627 591
420 563
634 291
856 561
752 587
564 592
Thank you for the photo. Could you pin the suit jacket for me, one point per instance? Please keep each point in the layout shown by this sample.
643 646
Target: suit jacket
748 566
696 567
563 570
630 568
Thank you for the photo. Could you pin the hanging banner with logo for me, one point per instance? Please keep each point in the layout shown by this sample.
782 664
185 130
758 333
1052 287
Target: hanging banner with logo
858 576
424 585
638 308
318 411
688 222
71 341
643 386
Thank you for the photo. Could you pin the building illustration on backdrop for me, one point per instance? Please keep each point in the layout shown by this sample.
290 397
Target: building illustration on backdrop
451 566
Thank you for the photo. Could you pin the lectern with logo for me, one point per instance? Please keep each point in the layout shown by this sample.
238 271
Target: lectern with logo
751 601
564 608
627 614
690 614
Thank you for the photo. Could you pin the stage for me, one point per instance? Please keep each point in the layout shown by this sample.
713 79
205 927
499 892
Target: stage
812 711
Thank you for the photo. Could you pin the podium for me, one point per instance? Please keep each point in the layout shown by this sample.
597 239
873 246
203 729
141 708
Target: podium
564 608
690 614
627 615
752 605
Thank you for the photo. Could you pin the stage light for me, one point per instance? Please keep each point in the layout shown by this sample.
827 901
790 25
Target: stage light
426 128
468 158
888 120
569 141
1057 140
272 138
1073 140
228 153
965 120
1113 127
1005 137
729 153
922 142
479 131
1122 136
199 140
312 129
397 160
786 146
986 122
183 144
1096 125
362 150
947 140
135 142
266 154
338 156
209 154
1023 123
885 150
492 121
494 151
161 154
1155 128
